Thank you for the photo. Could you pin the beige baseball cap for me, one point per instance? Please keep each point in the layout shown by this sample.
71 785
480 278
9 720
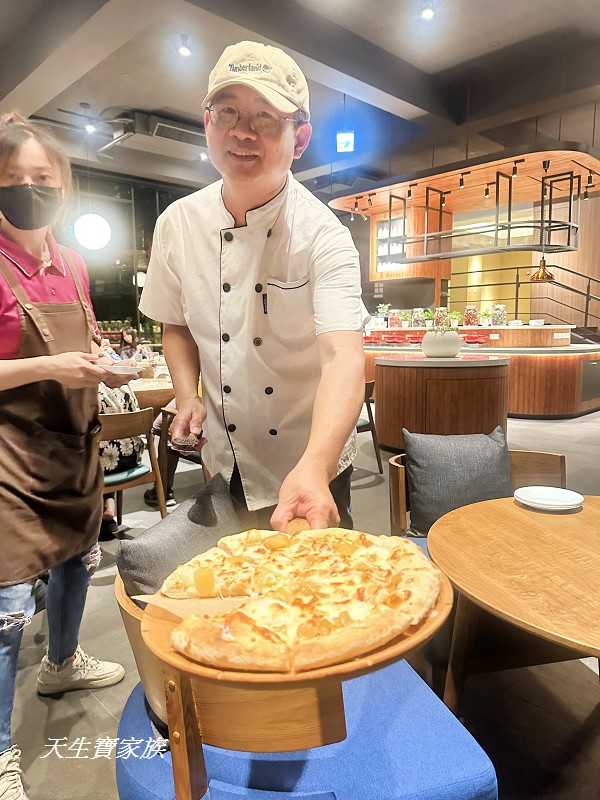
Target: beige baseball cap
268 70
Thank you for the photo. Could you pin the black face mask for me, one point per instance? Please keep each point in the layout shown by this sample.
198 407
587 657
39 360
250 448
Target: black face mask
30 207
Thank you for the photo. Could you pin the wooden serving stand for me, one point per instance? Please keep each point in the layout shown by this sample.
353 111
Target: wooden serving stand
260 711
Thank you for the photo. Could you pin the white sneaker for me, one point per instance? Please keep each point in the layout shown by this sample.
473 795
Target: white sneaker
83 672
11 785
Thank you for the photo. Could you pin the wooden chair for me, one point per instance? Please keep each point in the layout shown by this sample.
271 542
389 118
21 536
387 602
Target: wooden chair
497 645
168 412
365 425
123 426
528 468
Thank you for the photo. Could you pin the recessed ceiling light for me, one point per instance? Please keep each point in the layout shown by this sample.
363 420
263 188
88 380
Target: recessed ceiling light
184 49
427 10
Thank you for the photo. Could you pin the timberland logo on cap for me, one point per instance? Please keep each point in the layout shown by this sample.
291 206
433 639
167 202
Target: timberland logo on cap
249 68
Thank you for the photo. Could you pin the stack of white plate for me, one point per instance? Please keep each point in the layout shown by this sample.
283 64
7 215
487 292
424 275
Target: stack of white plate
516 322
536 323
548 498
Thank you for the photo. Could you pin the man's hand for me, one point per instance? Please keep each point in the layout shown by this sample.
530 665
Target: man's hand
305 493
189 420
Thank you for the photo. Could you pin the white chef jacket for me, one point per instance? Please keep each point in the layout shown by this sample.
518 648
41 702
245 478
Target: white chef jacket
254 299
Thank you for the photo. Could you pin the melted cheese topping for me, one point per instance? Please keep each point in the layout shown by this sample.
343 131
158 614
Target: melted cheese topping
308 585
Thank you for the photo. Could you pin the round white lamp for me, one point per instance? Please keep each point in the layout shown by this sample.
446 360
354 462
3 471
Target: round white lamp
92 231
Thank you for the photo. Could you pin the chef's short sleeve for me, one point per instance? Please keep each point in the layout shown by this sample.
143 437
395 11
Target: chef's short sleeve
335 274
161 298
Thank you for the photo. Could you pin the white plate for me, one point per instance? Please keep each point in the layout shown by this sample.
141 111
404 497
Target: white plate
536 322
122 369
515 322
548 498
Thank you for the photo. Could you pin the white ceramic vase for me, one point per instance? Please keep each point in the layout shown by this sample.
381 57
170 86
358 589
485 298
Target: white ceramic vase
441 344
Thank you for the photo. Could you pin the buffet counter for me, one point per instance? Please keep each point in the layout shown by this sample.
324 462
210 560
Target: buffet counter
557 382
488 335
466 394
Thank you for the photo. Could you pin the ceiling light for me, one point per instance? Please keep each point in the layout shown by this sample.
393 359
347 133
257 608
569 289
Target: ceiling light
590 180
369 201
586 195
546 165
203 157
356 204
92 231
515 170
89 128
427 10
542 274
461 183
486 194
443 199
184 49
352 216
363 216
409 193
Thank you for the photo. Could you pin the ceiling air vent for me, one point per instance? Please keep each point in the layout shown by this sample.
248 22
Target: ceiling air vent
163 137
177 131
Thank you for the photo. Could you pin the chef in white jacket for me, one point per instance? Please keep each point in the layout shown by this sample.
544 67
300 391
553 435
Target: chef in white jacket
258 286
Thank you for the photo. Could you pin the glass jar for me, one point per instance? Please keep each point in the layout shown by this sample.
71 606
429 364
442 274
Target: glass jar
471 315
499 314
394 318
418 318
440 317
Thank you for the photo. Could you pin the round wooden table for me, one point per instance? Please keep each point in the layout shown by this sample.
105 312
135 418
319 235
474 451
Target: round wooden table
538 570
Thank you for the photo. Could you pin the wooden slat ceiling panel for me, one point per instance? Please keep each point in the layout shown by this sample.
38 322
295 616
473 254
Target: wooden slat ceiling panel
526 187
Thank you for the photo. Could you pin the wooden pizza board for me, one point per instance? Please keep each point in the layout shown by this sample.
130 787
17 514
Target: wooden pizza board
266 711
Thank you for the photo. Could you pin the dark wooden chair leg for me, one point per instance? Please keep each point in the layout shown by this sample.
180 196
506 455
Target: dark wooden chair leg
119 507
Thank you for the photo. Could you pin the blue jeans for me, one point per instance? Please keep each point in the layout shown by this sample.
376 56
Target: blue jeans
65 599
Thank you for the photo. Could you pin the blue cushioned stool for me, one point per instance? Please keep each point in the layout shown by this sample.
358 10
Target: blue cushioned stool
402 744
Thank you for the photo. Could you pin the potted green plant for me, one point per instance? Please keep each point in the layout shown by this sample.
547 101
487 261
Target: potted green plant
455 318
485 317
441 342
405 319
428 316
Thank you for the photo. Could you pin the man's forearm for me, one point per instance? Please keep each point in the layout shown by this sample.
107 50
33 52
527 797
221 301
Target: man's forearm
338 401
181 355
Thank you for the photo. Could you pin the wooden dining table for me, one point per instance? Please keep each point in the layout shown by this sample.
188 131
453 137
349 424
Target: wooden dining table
153 393
538 570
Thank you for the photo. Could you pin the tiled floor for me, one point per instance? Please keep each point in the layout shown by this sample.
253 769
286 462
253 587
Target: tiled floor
540 726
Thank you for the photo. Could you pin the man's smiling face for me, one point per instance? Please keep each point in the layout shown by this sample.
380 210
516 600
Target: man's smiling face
242 156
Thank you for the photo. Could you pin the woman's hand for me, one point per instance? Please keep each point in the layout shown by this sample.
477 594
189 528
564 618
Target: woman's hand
76 370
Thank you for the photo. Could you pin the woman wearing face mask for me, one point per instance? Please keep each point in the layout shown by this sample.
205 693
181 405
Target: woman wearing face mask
51 486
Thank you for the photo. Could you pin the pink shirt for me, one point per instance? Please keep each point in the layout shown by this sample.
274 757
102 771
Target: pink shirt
53 284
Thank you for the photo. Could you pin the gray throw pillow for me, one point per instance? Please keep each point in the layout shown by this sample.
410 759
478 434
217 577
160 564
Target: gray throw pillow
447 472
195 526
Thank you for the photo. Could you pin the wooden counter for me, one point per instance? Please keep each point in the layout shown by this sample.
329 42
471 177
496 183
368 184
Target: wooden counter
468 394
502 336
558 383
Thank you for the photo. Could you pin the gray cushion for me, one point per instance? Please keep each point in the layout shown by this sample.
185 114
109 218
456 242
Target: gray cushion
195 526
446 472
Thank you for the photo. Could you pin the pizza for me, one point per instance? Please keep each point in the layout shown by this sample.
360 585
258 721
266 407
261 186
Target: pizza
311 599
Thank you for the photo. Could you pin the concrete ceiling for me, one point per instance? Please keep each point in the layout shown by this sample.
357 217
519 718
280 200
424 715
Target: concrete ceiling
481 76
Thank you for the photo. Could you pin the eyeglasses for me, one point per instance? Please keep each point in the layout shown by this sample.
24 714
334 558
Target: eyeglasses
264 123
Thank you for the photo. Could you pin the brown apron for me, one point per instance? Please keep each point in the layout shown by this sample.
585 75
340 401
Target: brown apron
50 473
